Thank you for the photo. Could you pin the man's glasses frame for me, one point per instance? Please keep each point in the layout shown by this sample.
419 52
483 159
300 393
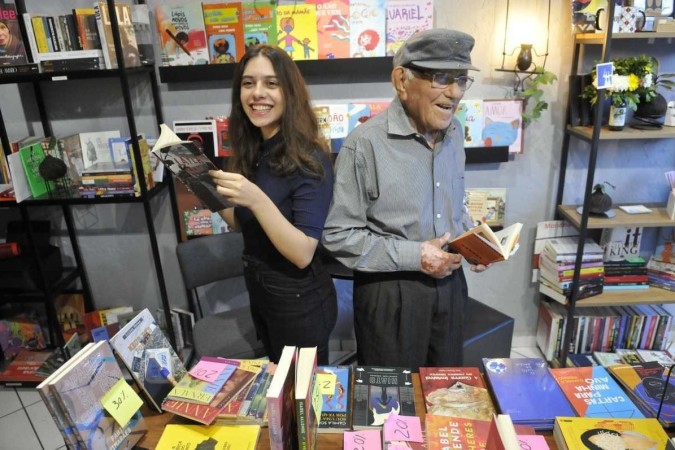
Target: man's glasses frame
441 80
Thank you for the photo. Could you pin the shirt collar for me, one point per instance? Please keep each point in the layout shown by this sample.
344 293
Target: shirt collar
399 124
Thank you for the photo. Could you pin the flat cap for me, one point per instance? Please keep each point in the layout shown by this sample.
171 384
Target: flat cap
438 48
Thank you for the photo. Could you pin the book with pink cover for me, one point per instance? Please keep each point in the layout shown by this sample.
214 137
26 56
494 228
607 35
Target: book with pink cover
405 18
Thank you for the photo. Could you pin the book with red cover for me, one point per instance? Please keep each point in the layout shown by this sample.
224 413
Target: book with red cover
21 371
456 392
464 433
280 402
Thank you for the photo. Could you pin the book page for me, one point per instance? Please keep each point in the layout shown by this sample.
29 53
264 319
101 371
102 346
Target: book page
508 238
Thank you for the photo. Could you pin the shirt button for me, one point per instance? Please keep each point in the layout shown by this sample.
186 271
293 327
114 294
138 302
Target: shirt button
438 216
438 184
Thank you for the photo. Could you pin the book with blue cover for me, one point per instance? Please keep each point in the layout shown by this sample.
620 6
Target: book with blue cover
592 392
520 385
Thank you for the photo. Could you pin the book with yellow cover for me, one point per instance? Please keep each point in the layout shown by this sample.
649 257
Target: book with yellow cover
577 433
188 437
297 31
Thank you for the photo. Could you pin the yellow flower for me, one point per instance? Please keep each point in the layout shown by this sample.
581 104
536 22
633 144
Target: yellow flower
633 82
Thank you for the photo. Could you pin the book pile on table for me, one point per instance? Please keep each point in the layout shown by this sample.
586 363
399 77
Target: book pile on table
556 269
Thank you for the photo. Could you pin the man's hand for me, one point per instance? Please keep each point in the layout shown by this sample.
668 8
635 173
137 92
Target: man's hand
436 262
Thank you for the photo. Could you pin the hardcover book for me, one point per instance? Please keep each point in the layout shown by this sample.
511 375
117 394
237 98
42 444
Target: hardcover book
127 34
577 433
280 403
592 392
182 34
79 389
456 392
179 436
224 31
336 412
405 18
297 33
332 27
148 355
308 398
191 166
380 392
367 31
520 384
260 26
481 245
13 49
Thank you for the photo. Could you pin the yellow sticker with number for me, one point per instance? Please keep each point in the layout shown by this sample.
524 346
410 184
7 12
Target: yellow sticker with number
122 402
326 382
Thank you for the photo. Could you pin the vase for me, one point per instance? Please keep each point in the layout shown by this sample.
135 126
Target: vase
617 117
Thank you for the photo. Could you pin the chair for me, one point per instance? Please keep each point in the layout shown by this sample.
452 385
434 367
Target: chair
207 260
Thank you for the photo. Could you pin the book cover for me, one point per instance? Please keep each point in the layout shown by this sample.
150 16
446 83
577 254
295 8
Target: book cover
207 414
179 436
665 241
199 391
563 250
95 149
336 411
224 31
357 114
577 433
338 120
79 389
367 31
621 243
308 398
280 403
297 33
127 34
481 245
322 113
646 383
379 392
471 111
592 392
486 205
87 31
519 384
405 18
550 328
332 27
22 370
236 410
190 166
13 49
456 392
144 149
201 132
182 34
148 355
503 124
31 157
260 25
462 432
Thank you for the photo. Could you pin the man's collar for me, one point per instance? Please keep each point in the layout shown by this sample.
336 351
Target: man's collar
398 122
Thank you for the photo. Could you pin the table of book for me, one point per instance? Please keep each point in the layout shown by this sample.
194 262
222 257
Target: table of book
156 423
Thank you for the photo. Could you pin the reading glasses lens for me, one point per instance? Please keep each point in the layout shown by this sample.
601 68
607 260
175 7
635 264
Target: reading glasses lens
445 79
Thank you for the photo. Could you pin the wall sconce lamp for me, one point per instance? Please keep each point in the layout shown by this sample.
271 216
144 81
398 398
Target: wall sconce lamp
523 67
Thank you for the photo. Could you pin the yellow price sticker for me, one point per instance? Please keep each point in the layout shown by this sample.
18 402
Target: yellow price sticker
122 402
326 382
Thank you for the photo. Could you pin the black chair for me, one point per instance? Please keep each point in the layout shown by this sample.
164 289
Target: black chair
217 258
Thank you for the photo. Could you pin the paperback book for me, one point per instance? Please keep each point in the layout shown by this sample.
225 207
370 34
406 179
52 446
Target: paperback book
13 49
584 432
308 398
182 35
380 392
259 22
336 410
224 31
130 53
464 432
280 402
332 26
481 245
456 392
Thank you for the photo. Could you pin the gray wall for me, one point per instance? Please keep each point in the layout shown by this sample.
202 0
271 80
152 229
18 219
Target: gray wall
114 241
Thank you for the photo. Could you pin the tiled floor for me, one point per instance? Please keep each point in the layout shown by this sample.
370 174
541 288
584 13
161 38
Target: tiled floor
26 424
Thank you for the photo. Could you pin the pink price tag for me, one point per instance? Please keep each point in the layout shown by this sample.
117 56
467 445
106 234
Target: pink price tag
207 370
403 428
362 440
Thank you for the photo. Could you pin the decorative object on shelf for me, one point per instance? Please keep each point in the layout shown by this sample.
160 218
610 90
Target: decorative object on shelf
53 168
529 76
651 112
600 202
617 116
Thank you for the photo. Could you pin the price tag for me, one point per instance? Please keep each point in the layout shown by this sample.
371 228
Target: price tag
326 383
122 402
362 440
207 371
403 428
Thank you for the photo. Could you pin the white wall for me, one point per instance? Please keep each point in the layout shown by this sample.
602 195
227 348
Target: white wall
114 241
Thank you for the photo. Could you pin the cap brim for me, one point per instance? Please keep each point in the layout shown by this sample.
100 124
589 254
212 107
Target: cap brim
445 65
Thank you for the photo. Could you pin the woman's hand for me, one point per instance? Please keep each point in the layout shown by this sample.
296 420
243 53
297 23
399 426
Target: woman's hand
237 189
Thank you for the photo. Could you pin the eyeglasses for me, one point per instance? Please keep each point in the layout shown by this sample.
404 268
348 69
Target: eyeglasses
441 80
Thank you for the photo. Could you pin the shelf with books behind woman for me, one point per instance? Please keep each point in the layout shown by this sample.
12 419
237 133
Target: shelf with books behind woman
83 96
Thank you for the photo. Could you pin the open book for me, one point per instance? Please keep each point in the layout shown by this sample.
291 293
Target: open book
481 245
191 166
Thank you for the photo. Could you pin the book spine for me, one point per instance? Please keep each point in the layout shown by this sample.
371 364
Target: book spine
64 427
30 35
53 36
274 424
105 46
40 35
301 411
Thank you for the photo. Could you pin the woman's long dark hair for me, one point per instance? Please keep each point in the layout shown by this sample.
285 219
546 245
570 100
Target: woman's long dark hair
298 125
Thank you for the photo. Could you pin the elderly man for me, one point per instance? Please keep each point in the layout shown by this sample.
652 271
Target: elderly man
398 200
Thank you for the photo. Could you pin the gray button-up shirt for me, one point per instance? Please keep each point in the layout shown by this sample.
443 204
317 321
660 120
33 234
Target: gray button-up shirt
392 192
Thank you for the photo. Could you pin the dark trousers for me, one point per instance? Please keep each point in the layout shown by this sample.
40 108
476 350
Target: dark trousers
409 319
291 307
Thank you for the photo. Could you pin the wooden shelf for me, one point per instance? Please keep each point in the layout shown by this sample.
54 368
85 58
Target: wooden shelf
653 295
586 133
657 218
599 38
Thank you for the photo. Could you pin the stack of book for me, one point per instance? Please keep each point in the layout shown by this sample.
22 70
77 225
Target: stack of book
627 274
661 274
556 269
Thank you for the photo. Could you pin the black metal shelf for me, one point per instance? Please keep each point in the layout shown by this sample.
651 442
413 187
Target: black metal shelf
70 274
62 75
73 198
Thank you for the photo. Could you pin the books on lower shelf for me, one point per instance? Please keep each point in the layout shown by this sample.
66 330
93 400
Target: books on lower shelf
456 392
582 432
379 392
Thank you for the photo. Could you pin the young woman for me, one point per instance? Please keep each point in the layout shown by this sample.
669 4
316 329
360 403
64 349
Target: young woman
280 180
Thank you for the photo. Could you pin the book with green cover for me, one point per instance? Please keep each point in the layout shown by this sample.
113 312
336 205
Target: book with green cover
31 157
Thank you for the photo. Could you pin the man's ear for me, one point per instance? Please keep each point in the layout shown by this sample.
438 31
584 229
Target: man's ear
398 80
